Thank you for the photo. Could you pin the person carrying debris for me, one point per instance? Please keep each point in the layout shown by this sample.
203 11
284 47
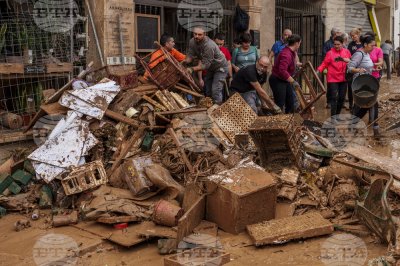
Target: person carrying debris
211 59
281 80
248 82
167 42
219 39
335 61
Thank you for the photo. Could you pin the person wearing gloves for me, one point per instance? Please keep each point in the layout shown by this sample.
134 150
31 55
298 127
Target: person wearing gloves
361 63
281 80
248 82
335 61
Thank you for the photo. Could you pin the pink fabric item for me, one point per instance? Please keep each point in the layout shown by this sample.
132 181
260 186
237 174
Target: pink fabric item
336 70
375 55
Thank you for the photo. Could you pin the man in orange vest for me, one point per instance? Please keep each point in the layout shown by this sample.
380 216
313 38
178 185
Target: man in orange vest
167 42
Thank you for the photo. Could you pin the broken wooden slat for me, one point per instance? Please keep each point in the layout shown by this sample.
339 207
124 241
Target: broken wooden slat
15 136
126 149
121 118
161 97
296 227
54 108
179 100
181 150
171 99
196 110
370 156
156 104
191 219
182 89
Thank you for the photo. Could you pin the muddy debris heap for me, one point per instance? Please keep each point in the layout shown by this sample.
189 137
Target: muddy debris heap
164 162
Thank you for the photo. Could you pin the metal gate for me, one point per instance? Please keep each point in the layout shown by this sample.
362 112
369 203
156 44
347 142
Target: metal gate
309 26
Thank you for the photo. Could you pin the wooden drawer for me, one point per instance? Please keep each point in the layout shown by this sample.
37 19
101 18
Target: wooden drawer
11 68
59 68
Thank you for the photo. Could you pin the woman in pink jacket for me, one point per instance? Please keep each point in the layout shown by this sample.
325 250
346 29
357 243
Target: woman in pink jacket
335 61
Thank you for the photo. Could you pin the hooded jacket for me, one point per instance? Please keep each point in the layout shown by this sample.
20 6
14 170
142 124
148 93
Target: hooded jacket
336 70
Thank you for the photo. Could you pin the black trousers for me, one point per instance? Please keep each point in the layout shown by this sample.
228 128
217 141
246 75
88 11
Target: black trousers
337 91
386 57
373 115
283 94
350 94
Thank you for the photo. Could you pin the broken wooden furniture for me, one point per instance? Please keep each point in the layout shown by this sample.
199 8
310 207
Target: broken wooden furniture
375 212
241 196
85 177
271 134
307 103
234 117
167 73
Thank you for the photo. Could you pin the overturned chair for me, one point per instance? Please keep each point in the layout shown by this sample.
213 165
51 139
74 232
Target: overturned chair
375 213
167 73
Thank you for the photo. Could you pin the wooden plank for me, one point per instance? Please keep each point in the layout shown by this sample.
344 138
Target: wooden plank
197 110
296 227
8 137
125 150
181 150
193 93
11 68
121 118
59 68
171 99
161 97
191 219
54 108
156 104
370 156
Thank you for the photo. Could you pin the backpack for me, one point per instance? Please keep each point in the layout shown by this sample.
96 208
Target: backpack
349 76
241 19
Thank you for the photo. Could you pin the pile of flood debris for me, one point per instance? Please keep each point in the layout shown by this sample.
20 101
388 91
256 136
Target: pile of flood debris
128 160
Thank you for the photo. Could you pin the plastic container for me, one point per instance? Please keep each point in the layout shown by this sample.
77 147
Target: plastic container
365 90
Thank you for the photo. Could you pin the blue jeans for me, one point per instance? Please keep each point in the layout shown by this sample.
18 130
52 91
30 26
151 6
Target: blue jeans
252 99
